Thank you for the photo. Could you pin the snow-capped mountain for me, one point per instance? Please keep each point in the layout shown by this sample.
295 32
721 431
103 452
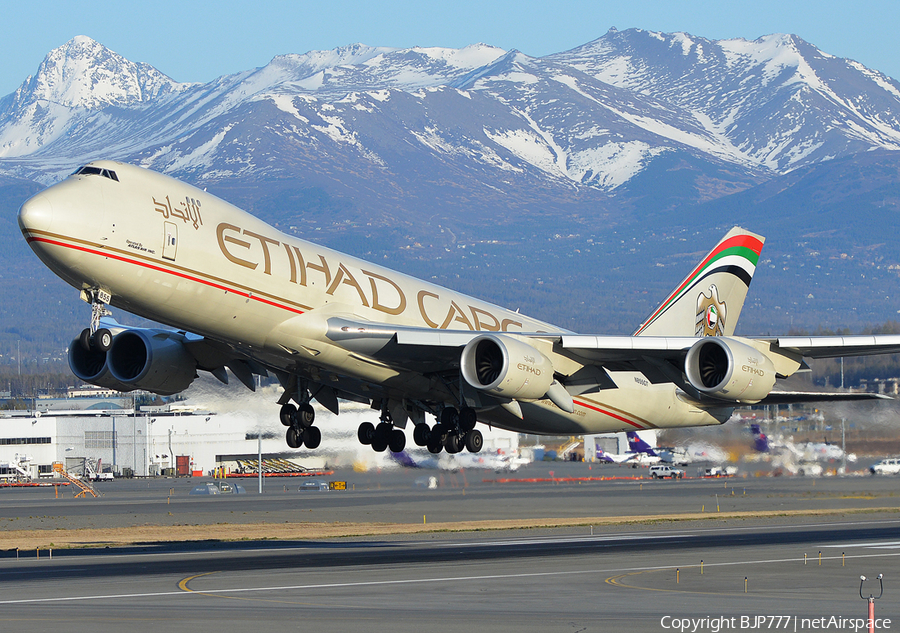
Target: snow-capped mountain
777 102
595 116
74 80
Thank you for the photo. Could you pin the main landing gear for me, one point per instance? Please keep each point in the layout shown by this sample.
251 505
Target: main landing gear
455 431
383 436
299 421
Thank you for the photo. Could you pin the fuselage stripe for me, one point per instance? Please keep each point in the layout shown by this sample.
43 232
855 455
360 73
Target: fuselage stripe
164 270
609 413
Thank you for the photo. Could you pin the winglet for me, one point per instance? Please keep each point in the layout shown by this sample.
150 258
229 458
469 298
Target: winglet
709 300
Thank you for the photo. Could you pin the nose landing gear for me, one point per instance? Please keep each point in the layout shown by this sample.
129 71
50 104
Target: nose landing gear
96 338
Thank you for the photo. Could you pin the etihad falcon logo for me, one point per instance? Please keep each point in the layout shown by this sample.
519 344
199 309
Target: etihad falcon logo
711 314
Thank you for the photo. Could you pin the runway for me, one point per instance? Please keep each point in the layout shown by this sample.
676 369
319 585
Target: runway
641 577
559 580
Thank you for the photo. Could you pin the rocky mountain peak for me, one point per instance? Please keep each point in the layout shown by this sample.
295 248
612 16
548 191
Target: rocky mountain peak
82 73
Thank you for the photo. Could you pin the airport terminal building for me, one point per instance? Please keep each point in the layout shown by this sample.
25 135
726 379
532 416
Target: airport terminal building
149 441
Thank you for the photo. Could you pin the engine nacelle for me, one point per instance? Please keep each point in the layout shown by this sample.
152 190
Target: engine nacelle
506 367
154 360
729 369
91 367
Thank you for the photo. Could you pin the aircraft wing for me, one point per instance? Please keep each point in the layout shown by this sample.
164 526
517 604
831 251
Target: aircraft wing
836 346
659 358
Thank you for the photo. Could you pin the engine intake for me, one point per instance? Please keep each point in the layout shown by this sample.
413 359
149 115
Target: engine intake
154 360
91 366
506 367
728 369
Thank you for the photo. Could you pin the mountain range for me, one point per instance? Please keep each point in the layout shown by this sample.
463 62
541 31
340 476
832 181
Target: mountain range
579 186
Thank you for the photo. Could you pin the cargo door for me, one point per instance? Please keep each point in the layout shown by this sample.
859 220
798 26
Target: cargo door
171 240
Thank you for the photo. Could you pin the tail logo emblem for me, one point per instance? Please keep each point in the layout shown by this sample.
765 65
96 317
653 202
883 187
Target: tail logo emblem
711 314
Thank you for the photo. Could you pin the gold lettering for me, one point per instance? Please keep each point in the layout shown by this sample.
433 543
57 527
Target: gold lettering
344 276
287 247
460 316
220 235
493 325
264 242
504 325
378 305
420 299
301 267
322 269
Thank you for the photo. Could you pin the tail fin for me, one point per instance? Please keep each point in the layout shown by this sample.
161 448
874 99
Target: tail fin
709 300
637 445
760 441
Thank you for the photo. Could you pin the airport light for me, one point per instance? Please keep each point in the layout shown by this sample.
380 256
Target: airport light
871 599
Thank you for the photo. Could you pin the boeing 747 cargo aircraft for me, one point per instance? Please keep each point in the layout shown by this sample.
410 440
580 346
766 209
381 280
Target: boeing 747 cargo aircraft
244 296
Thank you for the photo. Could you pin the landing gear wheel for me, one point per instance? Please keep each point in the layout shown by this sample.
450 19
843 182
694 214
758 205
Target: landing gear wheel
287 413
397 442
421 433
366 433
449 417
312 437
453 444
293 437
382 436
434 445
379 444
306 415
439 433
85 339
103 339
474 441
467 419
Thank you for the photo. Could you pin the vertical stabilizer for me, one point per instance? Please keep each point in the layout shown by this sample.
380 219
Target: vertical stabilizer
709 301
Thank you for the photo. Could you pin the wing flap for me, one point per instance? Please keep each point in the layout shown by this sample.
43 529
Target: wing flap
836 346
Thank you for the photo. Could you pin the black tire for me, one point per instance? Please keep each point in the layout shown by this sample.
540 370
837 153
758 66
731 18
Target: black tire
293 437
287 413
312 437
434 446
103 340
467 419
306 415
397 442
382 434
85 340
449 417
474 441
366 433
421 433
379 445
439 433
453 444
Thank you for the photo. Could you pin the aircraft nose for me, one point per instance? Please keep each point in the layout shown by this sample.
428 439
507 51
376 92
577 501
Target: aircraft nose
36 214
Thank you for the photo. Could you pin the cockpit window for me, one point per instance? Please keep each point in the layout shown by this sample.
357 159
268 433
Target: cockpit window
89 170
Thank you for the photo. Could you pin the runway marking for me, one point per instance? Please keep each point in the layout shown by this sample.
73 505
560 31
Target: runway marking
382 583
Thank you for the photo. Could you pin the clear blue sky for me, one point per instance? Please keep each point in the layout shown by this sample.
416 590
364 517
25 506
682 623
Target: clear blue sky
192 41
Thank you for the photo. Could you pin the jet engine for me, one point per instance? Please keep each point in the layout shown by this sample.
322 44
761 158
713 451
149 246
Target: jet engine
91 367
506 367
728 369
155 360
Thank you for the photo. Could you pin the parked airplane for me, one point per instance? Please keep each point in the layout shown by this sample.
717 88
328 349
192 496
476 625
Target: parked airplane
248 297
640 452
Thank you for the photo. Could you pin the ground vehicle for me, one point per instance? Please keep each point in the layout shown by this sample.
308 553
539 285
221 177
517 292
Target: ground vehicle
313 485
889 466
664 471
